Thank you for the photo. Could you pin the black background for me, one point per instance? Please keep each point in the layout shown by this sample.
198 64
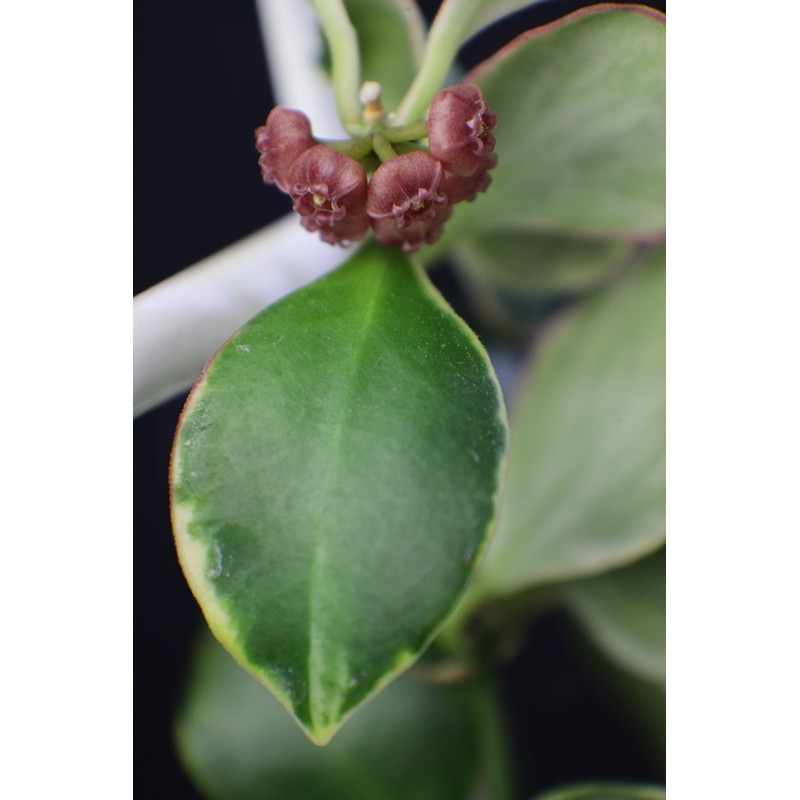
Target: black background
201 87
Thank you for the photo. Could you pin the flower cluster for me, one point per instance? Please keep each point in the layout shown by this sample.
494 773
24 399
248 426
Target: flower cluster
408 198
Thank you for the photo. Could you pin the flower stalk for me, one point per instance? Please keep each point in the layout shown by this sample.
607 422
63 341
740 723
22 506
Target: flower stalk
383 147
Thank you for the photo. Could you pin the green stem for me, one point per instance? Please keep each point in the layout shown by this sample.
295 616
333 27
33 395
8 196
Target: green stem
346 66
407 133
448 32
355 148
382 146
492 739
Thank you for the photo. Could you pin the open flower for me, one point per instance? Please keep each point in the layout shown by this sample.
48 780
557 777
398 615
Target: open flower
459 129
405 202
329 190
285 135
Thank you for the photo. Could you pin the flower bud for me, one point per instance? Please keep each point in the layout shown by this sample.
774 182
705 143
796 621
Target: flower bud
280 141
405 202
329 190
458 188
459 126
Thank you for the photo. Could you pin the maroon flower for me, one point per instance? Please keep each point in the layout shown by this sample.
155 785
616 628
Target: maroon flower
458 188
280 141
459 126
405 201
329 190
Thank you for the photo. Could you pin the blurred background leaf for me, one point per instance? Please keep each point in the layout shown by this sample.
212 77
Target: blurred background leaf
605 791
391 36
624 612
581 128
412 742
585 488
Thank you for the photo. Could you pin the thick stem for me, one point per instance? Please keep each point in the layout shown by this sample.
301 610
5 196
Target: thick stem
181 322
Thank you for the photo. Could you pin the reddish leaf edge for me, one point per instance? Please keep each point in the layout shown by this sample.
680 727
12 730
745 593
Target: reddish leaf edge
474 75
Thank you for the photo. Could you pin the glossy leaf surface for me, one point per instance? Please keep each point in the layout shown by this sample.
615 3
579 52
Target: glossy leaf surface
391 36
334 478
586 468
412 742
624 611
605 791
580 133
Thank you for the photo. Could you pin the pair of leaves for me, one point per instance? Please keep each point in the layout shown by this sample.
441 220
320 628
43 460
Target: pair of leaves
586 474
334 478
581 104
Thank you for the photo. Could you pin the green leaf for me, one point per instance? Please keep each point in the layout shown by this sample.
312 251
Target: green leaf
514 278
605 791
483 13
391 37
585 489
533 264
624 612
334 478
581 128
413 742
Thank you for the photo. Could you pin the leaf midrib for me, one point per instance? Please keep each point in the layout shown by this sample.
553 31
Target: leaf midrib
316 601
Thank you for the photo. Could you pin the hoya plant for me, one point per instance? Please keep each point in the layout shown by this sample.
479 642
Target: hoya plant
426 410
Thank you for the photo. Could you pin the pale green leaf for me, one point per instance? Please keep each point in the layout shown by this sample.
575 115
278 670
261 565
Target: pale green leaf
581 128
585 489
334 478
525 263
624 612
606 791
391 37
412 742
485 12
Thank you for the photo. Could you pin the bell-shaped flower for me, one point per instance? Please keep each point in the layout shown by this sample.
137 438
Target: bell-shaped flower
458 188
405 202
459 129
329 190
285 135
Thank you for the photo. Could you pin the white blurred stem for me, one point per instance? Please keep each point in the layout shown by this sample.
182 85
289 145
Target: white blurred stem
293 47
180 323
